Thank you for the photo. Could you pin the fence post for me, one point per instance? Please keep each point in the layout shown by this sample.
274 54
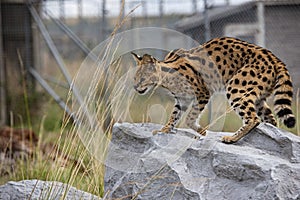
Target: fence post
3 117
261 24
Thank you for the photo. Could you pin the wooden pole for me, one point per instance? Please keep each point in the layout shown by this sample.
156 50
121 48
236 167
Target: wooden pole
3 109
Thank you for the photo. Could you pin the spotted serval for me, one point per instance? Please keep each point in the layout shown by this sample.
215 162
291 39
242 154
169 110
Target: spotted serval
246 72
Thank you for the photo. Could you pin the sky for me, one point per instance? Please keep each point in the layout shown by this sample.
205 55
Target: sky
92 8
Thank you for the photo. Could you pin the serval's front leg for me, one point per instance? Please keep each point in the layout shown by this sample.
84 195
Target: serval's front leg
193 117
180 107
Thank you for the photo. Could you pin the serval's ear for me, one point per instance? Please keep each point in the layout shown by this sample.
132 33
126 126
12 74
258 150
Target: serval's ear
148 59
136 57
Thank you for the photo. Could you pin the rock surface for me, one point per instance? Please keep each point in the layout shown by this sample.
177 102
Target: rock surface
263 165
36 190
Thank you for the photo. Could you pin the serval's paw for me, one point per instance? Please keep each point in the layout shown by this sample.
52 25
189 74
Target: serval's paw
229 139
163 130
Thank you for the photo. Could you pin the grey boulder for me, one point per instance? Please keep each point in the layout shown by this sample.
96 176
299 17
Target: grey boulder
37 189
263 165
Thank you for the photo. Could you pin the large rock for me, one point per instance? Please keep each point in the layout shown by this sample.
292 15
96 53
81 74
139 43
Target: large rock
36 190
263 165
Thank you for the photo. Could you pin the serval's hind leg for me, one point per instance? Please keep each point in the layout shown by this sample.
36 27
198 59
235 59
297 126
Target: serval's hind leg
265 113
243 102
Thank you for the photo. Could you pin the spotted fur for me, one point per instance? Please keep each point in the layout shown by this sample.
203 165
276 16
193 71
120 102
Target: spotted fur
248 73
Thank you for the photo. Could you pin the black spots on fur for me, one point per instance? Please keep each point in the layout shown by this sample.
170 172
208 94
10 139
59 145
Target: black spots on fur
209 53
171 54
283 112
238 47
224 62
236 81
230 72
259 56
264 51
236 100
183 67
204 101
242 91
223 73
174 60
252 73
234 91
273 74
178 106
250 101
290 122
225 46
253 93
228 95
260 87
211 65
289 83
270 58
244 73
229 41
252 109
244 83
268 111
264 79
288 93
217 49
283 102
243 107
192 68
175 112
241 114
203 61
230 50
218 59
235 105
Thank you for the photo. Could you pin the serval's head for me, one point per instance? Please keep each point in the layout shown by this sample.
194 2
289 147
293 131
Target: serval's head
146 76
